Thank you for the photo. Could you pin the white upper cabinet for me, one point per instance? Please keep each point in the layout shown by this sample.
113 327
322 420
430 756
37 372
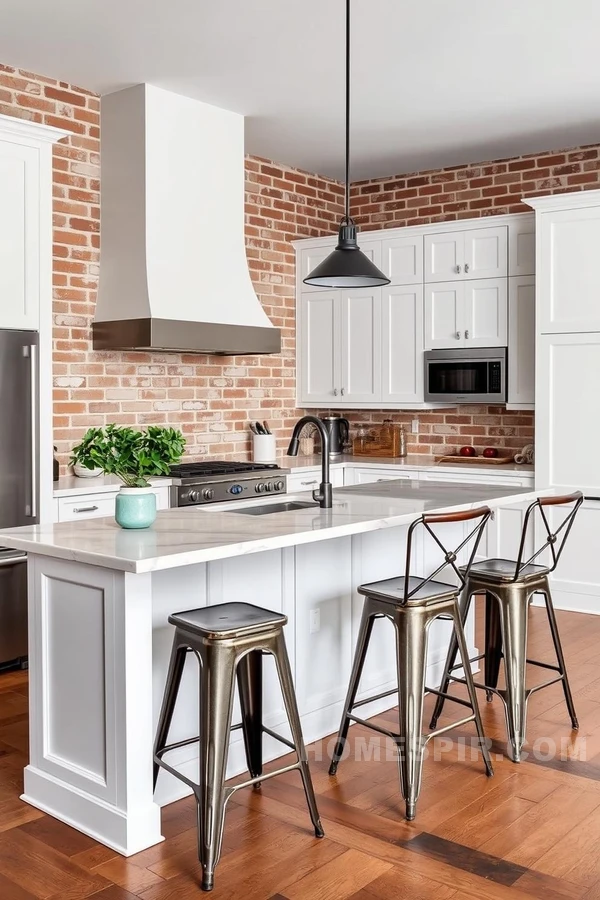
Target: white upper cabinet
521 246
521 341
486 252
308 259
402 344
444 318
459 255
569 276
361 340
444 256
402 259
319 357
485 318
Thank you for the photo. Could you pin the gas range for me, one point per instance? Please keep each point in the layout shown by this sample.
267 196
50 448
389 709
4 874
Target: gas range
195 484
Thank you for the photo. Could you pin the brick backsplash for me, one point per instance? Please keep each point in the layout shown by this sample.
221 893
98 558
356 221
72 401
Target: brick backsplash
212 398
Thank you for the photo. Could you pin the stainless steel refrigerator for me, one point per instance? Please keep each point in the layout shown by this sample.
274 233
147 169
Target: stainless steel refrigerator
19 478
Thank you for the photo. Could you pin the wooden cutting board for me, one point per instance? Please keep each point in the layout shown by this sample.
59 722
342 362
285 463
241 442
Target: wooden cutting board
476 460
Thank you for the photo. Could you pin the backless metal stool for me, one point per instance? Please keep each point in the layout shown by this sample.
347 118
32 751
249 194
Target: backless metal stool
508 586
229 640
412 604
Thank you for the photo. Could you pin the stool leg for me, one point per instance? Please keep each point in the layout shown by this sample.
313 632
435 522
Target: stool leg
289 698
493 643
364 635
250 681
176 664
559 656
514 608
217 681
464 653
464 606
411 656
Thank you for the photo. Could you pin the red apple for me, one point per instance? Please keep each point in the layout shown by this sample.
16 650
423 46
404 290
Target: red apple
490 453
468 451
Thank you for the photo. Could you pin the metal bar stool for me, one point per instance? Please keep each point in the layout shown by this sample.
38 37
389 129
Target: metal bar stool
412 604
508 586
229 640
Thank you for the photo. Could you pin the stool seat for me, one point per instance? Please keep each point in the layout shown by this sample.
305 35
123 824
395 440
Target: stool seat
502 570
393 589
227 620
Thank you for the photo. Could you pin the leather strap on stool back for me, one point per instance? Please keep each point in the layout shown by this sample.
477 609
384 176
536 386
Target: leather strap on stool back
555 539
450 557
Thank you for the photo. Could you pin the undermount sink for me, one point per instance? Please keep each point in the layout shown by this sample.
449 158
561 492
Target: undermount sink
269 508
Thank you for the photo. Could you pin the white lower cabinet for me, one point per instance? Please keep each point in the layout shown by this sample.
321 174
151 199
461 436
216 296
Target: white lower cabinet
95 506
370 474
310 479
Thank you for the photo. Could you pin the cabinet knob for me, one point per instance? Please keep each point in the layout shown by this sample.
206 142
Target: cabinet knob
467 267
335 392
342 392
458 335
458 269
467 334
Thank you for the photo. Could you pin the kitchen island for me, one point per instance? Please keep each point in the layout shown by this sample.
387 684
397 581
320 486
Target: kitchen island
99 599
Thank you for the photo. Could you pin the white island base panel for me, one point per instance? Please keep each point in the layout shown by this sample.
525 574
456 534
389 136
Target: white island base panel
99 657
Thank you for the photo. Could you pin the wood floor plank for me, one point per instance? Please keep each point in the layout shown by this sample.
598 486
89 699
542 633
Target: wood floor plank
338 879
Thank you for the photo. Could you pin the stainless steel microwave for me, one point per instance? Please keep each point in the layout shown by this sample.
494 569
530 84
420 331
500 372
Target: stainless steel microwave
466 376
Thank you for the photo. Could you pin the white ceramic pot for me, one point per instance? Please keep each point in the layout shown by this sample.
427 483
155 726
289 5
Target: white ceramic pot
81 472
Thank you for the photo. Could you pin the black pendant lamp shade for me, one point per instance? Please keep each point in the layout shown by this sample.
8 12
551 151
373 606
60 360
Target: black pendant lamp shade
347 266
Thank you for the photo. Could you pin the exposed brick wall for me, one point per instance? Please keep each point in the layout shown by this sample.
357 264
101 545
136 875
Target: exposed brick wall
475 189
210 398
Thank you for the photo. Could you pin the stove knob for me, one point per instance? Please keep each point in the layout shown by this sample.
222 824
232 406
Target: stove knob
279 486
195 496
208 494
269 486
260 488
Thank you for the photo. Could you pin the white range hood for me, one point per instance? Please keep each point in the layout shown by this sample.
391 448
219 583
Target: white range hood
173 268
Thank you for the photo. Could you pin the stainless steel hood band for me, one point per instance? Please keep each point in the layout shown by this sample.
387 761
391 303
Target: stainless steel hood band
185 337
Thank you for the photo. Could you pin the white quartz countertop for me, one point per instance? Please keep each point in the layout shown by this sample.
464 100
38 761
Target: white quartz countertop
71 485
181 537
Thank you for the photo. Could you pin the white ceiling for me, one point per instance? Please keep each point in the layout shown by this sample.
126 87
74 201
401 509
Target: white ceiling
434 82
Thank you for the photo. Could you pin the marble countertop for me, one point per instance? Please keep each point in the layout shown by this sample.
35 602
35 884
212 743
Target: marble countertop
71 485
181 537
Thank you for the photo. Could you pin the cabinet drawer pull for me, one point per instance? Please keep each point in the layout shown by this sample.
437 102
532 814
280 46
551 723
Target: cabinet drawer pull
458 335
314 481
467 334
85 509
343 391
467 268
458 270
335 392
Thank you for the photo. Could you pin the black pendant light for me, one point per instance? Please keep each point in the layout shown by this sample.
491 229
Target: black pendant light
347 266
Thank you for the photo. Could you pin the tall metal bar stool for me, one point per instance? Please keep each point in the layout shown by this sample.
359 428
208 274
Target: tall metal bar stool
229 641
509 585
412 604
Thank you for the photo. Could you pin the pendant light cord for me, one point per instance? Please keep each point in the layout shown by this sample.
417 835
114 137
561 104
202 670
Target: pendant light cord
347 199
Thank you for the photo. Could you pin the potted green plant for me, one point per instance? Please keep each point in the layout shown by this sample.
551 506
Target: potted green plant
134 457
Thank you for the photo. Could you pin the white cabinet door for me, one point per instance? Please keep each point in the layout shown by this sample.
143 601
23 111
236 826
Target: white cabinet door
521 341
402 259
569 278
444 256
319 355
576 582
444 315
402 344
521 247
19 236
485 253
485 316
361 341
567 405
307 259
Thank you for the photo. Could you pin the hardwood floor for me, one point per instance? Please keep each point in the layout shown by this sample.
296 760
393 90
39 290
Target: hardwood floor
531 831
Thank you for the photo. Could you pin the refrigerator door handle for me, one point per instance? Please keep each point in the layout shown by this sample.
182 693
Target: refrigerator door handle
31 351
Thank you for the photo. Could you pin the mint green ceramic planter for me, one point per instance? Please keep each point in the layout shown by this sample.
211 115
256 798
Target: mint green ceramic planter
135 507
